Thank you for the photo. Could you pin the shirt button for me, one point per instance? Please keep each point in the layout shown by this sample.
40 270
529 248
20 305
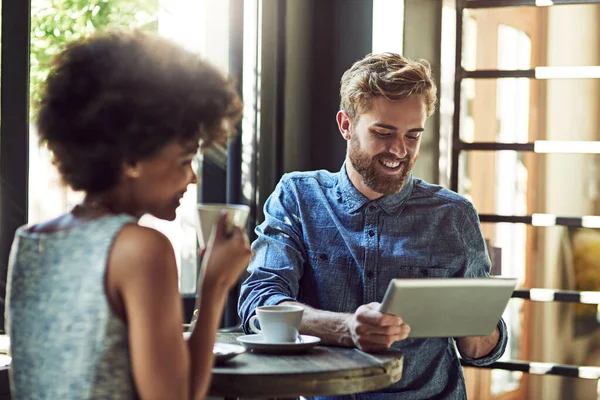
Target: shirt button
370 274
323 257
372 207
371 233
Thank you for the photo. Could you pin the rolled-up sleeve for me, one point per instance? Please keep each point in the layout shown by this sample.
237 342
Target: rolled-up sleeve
279 255
478 266
496 352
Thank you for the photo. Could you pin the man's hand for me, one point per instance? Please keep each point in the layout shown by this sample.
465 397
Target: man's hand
478 346
373 331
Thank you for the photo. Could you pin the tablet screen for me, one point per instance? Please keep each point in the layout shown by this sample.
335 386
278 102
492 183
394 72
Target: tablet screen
450 307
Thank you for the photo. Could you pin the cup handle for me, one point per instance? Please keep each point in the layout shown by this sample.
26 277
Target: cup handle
253 326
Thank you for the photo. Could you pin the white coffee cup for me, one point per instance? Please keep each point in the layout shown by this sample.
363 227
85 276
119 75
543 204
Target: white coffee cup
207 216
278 324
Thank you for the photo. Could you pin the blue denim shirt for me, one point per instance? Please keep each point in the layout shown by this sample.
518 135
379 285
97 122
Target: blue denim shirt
326 245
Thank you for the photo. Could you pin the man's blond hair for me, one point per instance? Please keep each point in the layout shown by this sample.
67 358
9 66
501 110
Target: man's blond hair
388 75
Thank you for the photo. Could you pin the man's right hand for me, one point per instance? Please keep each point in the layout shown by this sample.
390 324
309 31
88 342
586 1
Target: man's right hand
373 331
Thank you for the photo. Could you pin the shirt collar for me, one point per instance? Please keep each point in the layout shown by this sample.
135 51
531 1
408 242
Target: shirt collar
354 200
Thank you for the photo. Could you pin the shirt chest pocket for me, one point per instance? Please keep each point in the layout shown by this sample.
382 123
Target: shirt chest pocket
336 281
418 265
423 272
328 258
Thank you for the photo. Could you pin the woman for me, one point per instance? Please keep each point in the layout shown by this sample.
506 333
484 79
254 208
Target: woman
93 306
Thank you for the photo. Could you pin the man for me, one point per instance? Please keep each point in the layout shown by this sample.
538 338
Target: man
333 241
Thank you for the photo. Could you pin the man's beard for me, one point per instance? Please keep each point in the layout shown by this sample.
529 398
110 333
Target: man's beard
373 178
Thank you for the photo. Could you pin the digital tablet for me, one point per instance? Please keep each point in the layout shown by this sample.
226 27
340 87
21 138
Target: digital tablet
449 307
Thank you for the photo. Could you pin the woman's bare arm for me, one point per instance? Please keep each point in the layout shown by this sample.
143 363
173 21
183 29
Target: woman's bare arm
143 271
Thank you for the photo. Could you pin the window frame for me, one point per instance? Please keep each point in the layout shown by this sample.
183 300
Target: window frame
14 128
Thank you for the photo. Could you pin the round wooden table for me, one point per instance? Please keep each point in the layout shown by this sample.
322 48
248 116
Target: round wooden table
321 371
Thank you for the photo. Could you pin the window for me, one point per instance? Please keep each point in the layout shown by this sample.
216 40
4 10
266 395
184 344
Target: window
388 26
512 105
199 25
510 112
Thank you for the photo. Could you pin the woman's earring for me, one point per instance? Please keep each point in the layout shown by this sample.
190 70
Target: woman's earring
135 174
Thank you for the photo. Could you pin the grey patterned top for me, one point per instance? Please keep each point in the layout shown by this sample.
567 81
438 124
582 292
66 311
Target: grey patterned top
66 343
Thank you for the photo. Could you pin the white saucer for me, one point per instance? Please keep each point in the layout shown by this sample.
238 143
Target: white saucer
256 342
5 360
222 351
226 351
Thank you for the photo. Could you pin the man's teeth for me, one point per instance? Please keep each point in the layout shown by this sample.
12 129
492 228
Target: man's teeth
390 164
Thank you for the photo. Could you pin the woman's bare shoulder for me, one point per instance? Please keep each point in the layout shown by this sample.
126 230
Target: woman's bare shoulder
140 243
